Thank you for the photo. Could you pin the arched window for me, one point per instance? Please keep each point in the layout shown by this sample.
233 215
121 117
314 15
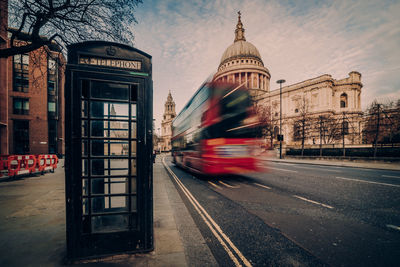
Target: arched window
276 131
343 100
296 131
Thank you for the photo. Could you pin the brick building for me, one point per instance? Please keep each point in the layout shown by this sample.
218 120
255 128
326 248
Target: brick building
32 102
3 80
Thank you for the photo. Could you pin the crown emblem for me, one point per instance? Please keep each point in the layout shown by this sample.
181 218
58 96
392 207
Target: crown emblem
111 51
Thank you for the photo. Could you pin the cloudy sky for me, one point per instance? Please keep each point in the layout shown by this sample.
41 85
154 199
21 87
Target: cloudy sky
297 40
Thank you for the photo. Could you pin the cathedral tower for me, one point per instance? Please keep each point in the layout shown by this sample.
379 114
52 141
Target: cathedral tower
166 124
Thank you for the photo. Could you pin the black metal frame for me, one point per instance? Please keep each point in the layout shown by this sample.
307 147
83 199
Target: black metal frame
83 240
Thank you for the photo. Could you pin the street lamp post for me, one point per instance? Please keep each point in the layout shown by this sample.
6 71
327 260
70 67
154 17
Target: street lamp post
159 137
280 118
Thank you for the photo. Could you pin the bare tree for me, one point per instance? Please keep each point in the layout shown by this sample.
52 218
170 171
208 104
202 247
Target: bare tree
302 123
68 21
266 128
382 123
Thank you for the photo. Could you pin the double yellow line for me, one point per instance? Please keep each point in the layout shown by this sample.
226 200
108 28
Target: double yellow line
233 252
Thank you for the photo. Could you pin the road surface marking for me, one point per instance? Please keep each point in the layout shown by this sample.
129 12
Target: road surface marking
228 185
369 182
314 202
289 164
393 227
263 186
316 168
214 227
217 186
390 176
281 169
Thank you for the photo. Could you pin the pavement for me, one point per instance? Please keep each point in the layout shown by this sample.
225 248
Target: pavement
32 222
32 226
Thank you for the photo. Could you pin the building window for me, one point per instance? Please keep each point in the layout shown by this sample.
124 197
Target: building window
52 136
51 106
51 85
345 128
21 106
296 110
21 136
343 100
21 73
296 132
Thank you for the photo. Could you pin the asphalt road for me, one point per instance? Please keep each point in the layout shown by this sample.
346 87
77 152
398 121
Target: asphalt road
297 215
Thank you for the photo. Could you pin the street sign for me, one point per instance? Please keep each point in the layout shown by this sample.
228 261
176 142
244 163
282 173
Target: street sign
108 161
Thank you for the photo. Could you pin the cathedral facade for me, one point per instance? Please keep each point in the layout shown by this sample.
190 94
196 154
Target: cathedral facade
166 124
306 105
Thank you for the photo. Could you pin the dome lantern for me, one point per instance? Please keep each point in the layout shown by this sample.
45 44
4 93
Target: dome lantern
239 32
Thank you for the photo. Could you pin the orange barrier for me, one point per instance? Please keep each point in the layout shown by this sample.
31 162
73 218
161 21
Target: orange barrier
3 164
47 162
15 165
54 161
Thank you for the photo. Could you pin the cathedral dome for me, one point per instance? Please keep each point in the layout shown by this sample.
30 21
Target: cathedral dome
238 49
241 63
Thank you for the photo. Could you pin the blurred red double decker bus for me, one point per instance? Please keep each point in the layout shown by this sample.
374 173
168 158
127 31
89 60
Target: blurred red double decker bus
215 133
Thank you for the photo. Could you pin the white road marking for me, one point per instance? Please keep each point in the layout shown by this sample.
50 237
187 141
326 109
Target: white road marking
314 202
228 185
289 164
316 168
217 186
369 182
281 169
263 186
214 227
393 227
390 176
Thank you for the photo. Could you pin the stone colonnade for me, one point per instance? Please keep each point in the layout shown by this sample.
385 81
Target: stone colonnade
253 80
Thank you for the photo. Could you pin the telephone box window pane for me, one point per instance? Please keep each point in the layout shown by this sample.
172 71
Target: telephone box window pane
85 187
133 167
134 92
133 185
133 111
109 223
109 185
109 110
109 148
85 169
98 128
84 109
133 203
109 166
109 90
85 206
84 147
109 204
133 148
84 128
133 130
85 88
